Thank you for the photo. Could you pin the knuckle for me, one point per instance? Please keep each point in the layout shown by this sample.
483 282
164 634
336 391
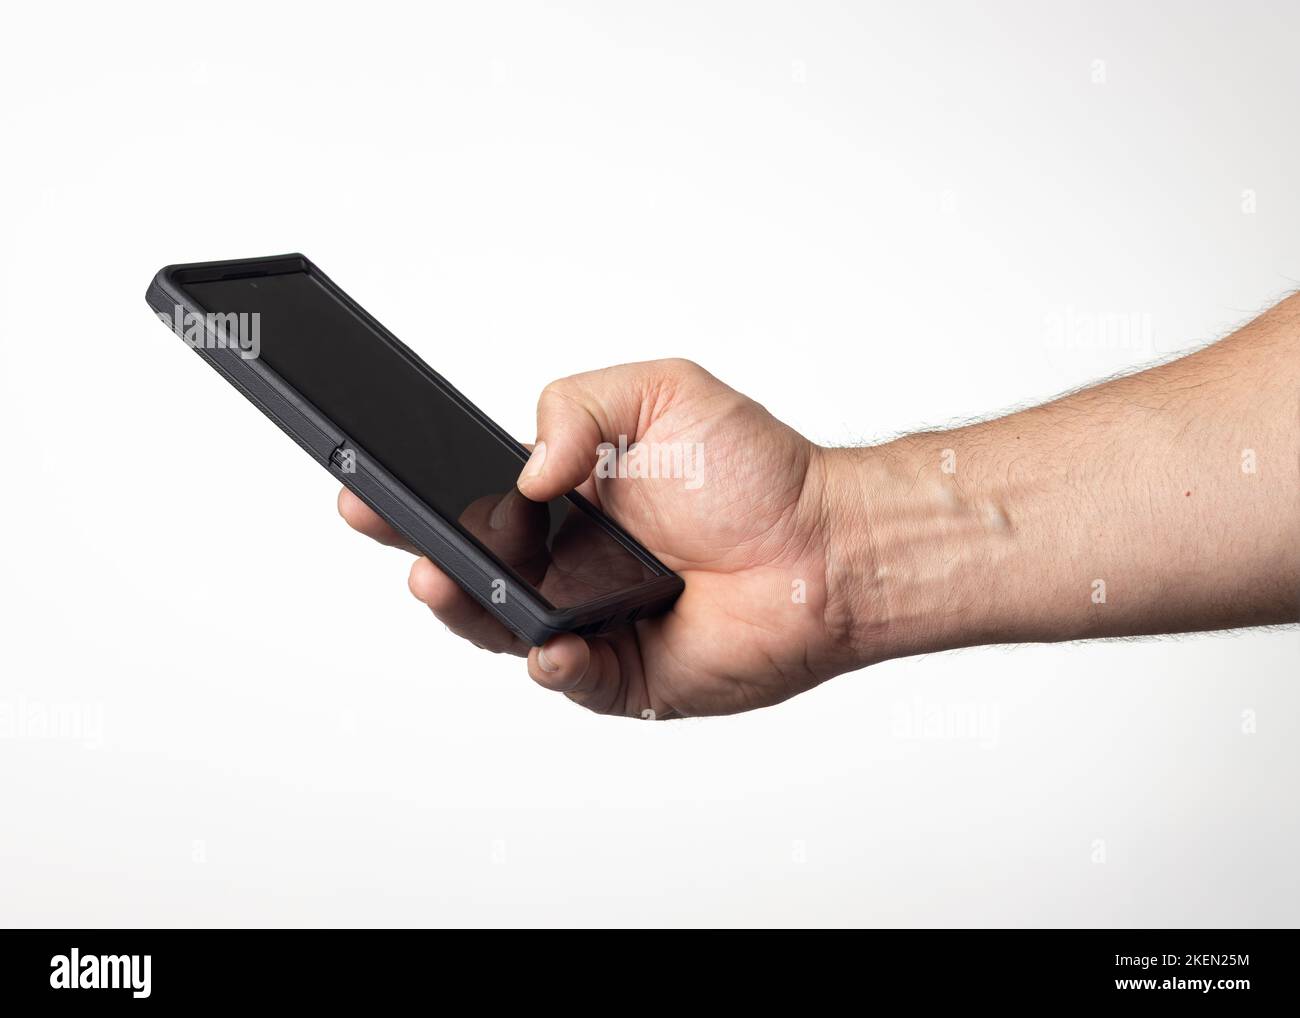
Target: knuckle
560 390
682 366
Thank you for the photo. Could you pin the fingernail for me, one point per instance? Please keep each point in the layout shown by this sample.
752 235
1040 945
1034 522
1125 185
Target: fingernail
501 511
546 663
533 468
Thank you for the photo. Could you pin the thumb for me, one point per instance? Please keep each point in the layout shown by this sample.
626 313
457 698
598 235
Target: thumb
576 414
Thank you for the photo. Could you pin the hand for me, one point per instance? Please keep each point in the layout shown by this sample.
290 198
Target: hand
755 624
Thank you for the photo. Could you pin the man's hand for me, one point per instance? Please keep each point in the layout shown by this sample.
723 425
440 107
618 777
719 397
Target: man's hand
754 625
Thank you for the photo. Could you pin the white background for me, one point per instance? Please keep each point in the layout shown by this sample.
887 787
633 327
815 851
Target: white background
219 706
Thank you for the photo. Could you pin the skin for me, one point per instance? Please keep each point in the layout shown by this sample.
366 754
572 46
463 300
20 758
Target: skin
1166 501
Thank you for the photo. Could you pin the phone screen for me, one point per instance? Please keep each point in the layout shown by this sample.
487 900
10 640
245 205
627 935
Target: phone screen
424 438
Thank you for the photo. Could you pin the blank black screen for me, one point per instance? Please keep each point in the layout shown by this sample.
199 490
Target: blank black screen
420 435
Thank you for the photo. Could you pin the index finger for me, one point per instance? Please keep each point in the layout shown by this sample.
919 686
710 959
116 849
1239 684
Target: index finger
361 518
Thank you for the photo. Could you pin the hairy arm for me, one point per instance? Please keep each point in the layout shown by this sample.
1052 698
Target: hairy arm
1164 501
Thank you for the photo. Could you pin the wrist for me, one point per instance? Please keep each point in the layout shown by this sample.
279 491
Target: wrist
916 550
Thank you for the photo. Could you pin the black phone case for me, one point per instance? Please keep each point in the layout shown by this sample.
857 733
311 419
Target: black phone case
487 580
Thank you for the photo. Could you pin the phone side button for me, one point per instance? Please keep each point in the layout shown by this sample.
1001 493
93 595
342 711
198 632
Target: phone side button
344 457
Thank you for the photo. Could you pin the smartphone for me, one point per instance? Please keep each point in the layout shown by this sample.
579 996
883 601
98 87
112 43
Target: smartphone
411 447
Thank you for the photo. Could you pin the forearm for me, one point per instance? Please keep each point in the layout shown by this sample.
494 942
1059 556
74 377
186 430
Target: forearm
1166 501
